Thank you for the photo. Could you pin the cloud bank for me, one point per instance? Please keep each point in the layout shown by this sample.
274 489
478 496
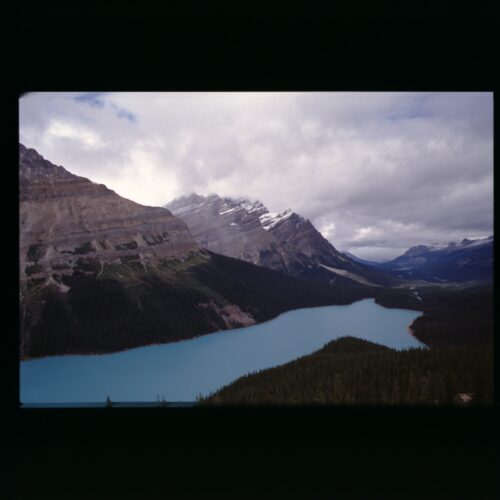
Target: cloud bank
375 172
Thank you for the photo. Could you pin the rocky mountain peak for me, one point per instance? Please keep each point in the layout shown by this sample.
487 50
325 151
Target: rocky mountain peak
69 223
256 207
269 220
34 165
189 200
247 230
416 250
220 205
39 179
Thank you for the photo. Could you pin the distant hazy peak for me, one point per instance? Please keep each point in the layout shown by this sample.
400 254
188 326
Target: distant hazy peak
417 250
187 198
451 246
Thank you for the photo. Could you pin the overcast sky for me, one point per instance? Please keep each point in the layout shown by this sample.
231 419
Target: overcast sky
375 172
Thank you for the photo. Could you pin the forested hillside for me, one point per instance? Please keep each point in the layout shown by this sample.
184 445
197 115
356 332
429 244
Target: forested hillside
124 306
452 316
350 371
455 317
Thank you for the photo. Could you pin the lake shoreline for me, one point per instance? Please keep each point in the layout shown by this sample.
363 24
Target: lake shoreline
104 353
184 369
413 333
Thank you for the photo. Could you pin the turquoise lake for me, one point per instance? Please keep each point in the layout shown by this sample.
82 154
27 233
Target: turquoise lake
182 370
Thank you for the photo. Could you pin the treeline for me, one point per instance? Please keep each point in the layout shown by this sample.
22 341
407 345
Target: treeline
350 371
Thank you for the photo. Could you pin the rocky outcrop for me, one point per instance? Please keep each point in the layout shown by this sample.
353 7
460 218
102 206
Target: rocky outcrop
231 314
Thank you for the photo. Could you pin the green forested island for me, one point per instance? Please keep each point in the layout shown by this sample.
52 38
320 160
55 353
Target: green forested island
351 371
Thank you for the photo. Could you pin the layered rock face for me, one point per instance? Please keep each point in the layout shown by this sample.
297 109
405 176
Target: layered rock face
232 228
283 241
66 220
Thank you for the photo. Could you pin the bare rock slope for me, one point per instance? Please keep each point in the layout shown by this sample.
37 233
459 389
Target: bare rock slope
66 219
283 241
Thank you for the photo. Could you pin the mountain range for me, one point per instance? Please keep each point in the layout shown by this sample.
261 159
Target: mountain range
283 241
100 273
468 260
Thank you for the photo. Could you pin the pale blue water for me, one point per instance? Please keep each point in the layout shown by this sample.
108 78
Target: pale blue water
182 370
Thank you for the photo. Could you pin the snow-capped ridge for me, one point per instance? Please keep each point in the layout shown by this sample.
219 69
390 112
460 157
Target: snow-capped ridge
252 206
482 241
449 247
272 219
244 228
228 210
466 260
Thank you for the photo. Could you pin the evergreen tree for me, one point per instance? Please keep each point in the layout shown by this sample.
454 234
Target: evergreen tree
396 393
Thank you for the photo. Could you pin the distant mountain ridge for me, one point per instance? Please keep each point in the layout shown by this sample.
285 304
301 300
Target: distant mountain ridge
366 262
468 260
284 241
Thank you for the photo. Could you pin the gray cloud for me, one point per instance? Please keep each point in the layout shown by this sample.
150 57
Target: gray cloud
375 172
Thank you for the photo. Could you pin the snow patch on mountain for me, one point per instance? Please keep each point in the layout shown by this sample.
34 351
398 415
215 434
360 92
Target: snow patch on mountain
465 243
272 219
349 275
228 211
252 206
477 243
